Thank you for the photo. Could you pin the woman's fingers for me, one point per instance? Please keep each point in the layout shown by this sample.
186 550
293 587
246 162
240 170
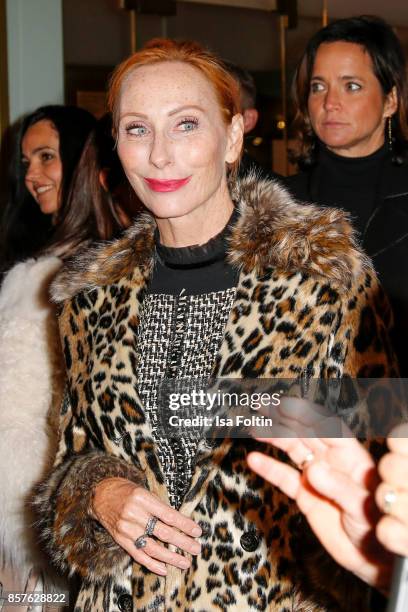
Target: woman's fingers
296 449
393 535
129 533
393 469
161 553
315 420
301 418
333 472
165 533
154 507
127 517
392 494
325 480
348 456
398 439
126 538
302 410
393 501
144 559
345 455
172 526
339 488
276 472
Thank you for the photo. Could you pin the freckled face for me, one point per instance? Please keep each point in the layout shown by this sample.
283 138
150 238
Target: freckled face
41 158
347 107
172 140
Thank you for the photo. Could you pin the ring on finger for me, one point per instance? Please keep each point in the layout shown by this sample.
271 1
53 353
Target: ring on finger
390 498
141 541
150 525
308 459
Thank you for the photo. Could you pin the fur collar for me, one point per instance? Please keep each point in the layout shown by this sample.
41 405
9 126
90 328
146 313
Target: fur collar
273 230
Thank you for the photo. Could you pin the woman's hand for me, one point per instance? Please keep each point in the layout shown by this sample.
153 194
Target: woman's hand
124 509
392 529
335 491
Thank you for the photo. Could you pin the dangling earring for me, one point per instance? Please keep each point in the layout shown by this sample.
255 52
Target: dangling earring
390 133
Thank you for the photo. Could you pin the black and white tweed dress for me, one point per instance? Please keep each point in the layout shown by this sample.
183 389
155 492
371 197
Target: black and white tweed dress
182 322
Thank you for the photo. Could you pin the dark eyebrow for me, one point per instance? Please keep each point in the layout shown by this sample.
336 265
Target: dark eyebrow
170 114
38 149
345 77
352 77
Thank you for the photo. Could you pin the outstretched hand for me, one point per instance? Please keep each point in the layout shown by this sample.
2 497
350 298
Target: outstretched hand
336 493
392 529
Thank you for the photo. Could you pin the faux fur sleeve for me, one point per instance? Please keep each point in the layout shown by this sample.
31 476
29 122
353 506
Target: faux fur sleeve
360 346
361 340
76 541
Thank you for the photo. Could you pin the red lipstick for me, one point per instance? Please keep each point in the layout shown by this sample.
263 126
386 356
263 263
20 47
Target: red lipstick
166 186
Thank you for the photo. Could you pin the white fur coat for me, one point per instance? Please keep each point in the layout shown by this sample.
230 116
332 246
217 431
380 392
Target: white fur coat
31 381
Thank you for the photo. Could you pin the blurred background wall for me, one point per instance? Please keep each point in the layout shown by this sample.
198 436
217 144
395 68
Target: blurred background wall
64 50
35 54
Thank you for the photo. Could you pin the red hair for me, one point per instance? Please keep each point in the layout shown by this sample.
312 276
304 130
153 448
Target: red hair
167 50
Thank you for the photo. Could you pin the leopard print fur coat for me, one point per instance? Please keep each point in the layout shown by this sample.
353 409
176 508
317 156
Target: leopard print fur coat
307 300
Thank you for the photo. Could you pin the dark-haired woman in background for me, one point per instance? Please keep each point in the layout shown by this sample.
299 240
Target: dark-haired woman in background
28 221
351 96
31 372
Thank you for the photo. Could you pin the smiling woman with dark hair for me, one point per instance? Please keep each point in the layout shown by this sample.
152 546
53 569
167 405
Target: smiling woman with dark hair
29 218
31 371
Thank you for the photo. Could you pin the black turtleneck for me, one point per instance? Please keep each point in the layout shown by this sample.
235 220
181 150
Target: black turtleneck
351 183
195 269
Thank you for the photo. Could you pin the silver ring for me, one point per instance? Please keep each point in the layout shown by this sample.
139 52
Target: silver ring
389 500
151 524
140 542
308 459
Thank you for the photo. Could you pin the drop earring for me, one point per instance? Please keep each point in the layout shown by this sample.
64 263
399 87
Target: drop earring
390 133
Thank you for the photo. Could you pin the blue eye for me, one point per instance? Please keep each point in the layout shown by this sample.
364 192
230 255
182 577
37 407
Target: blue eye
136 130
188 125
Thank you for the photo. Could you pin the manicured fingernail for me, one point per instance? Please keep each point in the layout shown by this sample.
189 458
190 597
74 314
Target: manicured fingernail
196 531
162 572
185 563
196 548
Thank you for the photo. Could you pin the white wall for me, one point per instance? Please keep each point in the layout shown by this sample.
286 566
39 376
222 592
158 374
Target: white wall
35 54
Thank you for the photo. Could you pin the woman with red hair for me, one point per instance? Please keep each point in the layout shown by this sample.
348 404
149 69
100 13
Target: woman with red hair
218 278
